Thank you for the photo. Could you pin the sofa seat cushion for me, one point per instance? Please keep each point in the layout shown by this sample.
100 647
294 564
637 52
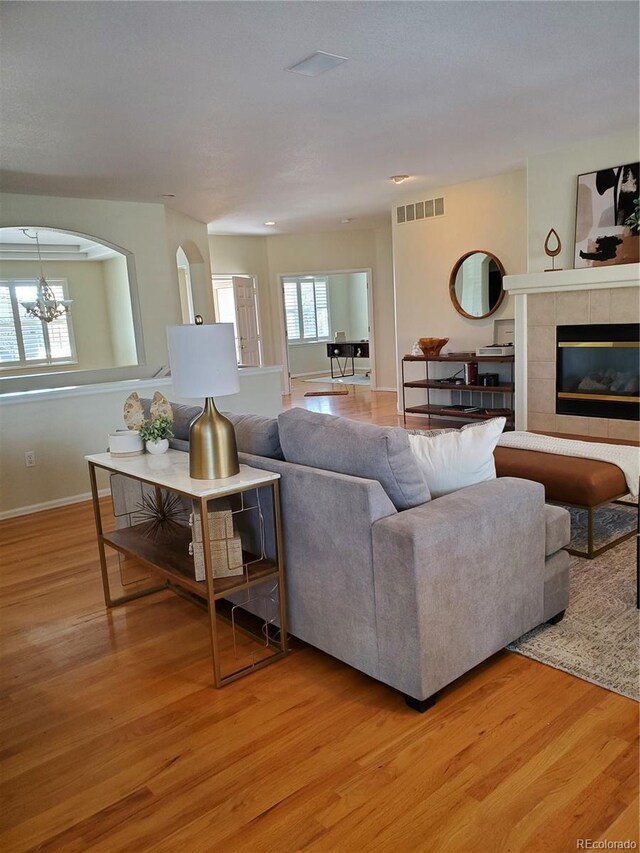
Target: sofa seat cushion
358 449
557 529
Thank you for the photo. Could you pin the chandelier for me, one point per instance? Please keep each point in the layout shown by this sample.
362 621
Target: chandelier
46 307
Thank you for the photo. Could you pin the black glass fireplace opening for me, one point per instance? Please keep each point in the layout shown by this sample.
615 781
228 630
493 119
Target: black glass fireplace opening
598 371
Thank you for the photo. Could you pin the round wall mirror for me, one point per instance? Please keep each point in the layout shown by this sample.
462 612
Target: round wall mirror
475 285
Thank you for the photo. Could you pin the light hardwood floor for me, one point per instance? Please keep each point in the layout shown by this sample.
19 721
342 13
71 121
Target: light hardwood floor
113 739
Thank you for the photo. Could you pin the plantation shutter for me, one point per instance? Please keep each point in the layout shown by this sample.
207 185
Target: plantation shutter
27 340
322 308
291 310
308 301
306 307
58 330
8 338
35 348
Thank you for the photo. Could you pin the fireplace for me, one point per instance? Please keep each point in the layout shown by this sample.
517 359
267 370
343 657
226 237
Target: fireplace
597 371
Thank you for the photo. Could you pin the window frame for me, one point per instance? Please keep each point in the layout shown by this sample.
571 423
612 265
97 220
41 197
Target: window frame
22 362
299 281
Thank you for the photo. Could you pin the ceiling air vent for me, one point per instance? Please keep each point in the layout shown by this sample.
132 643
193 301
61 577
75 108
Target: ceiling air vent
428 209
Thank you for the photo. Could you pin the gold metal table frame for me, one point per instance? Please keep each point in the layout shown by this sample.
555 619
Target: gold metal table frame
212 589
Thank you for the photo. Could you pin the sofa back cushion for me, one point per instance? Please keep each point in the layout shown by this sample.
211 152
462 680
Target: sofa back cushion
255 434
359 449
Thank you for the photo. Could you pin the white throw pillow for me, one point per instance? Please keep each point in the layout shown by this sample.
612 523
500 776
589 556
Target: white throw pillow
457 458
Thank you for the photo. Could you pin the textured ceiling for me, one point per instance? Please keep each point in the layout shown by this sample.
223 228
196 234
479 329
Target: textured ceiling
135 100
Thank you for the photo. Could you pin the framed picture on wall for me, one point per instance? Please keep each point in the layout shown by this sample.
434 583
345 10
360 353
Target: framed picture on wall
607 209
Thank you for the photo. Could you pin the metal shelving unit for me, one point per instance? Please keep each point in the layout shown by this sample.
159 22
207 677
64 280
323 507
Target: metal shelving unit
506 389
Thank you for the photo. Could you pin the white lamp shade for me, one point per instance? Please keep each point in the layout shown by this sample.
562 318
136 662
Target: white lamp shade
203 360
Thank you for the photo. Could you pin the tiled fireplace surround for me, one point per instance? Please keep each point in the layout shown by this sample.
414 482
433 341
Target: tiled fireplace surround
565 298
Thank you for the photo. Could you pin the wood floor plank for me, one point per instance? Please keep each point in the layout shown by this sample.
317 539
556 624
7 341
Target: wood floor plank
113 739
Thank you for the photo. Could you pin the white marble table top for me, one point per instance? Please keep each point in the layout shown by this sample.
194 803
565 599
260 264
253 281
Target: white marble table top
171 470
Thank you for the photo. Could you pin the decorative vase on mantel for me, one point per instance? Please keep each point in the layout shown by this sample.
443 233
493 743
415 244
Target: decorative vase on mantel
157 447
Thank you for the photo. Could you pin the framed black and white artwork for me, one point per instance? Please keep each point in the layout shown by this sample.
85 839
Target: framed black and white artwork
607 212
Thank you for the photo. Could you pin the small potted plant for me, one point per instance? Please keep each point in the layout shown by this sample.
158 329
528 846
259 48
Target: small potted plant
156 434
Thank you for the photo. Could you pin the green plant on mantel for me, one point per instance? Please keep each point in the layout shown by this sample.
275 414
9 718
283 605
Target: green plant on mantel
634 220
157 429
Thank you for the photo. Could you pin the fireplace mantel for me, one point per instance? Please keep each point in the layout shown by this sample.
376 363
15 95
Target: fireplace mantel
592 278
543 300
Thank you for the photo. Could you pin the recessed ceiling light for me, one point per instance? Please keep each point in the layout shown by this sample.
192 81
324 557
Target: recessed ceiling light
270 222
398 179
317 63
344 221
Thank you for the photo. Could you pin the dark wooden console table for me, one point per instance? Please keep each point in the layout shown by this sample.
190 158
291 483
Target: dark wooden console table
346 350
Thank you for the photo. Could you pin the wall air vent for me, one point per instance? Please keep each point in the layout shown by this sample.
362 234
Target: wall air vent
428 209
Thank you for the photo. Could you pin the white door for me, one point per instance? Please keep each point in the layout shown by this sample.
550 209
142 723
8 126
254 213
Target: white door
245 296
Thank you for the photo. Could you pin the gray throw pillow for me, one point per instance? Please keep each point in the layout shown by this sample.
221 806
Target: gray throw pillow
359 449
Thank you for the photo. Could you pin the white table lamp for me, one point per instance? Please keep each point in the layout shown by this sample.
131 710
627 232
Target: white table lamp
203 364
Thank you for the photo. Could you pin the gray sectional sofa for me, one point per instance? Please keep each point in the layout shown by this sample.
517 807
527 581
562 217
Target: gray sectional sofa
412 591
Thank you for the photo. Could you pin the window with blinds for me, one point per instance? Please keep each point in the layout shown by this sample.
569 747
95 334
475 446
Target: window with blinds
306 308
26 341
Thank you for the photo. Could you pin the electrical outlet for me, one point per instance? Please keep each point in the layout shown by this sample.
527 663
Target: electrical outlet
30 459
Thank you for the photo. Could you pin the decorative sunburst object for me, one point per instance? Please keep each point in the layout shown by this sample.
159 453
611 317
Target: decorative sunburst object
160 407
162 513
133 412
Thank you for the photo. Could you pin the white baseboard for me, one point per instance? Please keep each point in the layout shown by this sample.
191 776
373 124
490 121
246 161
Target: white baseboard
312 373
58 502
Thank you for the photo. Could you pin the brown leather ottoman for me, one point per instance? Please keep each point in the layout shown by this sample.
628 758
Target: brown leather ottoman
569 480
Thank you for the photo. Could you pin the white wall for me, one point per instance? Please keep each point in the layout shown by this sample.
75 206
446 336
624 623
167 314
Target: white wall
191 236
490 215
325 252
120 318
63 426
308 358
339 305
348 313
358 317
384 312
272 256
248 256
552 185
152 237
61 430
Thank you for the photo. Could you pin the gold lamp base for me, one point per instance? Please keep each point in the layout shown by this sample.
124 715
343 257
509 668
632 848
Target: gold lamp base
213 454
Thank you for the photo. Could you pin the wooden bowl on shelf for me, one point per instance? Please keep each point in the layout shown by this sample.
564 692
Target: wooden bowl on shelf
431 346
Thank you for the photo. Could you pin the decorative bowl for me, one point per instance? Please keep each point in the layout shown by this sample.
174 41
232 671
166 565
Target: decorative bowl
431 346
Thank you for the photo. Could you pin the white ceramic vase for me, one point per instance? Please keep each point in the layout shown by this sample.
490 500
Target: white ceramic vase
157 447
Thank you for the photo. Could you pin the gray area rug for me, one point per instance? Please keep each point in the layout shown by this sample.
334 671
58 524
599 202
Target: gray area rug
608 523
358 379
598 638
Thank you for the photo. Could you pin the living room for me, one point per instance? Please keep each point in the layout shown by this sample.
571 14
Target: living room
318 751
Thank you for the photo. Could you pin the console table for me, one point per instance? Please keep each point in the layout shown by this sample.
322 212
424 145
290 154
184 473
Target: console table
167 552
346 350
